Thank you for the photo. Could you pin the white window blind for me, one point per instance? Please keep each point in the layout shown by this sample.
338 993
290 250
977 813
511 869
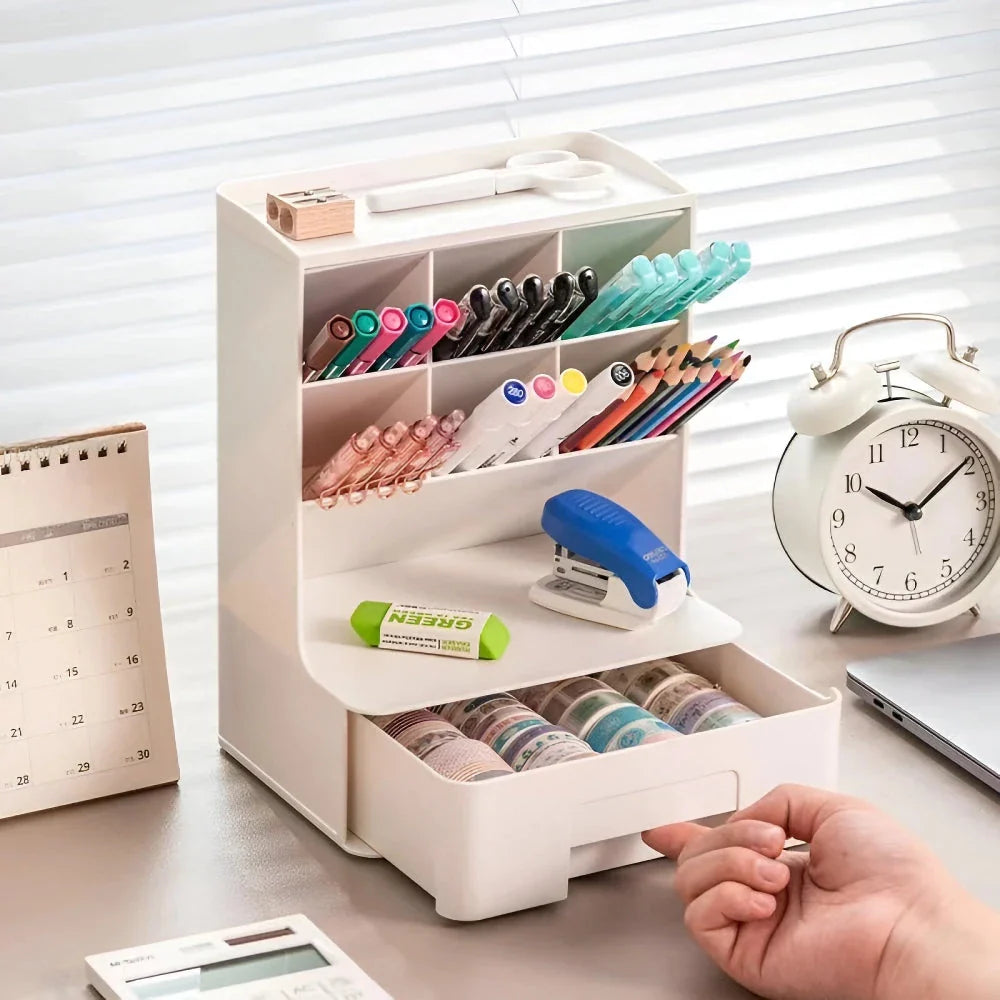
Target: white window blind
854 144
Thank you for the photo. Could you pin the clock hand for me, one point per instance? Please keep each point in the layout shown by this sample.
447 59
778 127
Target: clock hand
947 479
916 540
885 496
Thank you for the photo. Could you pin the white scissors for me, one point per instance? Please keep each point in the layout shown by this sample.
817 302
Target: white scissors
554 171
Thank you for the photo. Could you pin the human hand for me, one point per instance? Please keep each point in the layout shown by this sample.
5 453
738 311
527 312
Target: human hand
869 913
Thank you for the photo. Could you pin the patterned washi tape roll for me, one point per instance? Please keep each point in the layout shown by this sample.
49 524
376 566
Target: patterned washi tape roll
461 759
558 752
602 731
665 700
421 739
621 677
513 746
541 742
486 775
470 722
690 712
500 721
542 697
565 694
641 731
456 712
515 728
393 725
534 697
585 711
733 714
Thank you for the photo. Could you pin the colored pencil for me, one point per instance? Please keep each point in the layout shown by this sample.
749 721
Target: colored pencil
703 374
657 359
624 429
730 382
721 375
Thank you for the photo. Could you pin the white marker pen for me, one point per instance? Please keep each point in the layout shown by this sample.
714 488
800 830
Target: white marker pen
602 390
567 390
493 414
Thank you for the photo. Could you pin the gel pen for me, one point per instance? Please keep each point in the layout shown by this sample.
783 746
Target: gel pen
419 321
588 288
531 294
366 328
505 301
636 276
336 334
558 296
740 268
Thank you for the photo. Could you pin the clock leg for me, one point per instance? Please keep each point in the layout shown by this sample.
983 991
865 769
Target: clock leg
975 611
843 612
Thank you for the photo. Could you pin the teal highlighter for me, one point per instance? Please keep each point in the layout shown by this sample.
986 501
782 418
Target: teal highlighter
623 317
636 276
366 328
662 294
691 274
740 268
715 264
419 320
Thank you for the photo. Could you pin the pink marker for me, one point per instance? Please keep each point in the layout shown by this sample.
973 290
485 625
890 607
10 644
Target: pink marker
447 315
394 322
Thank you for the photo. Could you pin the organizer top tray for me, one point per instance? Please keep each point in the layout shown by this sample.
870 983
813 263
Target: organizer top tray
544 646
638 187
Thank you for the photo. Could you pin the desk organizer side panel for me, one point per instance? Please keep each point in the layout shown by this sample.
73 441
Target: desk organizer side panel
514 842
272 716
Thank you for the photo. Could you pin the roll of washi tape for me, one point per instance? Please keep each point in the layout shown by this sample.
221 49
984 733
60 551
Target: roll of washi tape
495 725
568 694
486 775
514 728
396 725
672 693
558 752
457 712
470 722
534 741
463 759
600 735
640 732
621 677
734 714
513 747
693 709
585 711
424 737
535 697
538 699
650 682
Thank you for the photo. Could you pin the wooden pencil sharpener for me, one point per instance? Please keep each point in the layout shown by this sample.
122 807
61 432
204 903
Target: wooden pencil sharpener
305 215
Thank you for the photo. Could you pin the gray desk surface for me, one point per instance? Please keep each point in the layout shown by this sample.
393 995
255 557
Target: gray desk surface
221 850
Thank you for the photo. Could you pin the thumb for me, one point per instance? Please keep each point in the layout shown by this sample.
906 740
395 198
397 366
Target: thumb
798 809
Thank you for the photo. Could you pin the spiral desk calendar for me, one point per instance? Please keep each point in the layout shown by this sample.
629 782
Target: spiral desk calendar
84 704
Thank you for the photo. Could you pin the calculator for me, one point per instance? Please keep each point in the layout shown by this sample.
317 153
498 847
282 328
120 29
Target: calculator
288 958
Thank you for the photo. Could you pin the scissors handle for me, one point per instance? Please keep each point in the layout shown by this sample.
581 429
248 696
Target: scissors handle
465 186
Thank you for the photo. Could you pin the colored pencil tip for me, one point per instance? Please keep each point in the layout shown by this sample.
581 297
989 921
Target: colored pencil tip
733 345
712 340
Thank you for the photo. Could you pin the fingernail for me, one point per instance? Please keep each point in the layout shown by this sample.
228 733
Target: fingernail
771 872
763 903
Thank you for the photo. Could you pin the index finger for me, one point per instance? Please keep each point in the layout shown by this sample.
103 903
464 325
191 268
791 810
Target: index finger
798 809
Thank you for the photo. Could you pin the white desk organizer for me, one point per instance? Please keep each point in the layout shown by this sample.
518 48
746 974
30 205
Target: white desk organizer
296 682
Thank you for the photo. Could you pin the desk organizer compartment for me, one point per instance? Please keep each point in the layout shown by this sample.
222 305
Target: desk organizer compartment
296 683
512 842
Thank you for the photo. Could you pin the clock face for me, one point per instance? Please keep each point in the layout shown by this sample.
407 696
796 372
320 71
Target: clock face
911 515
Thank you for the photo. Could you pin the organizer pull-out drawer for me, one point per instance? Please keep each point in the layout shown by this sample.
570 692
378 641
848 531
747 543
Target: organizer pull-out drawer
513 842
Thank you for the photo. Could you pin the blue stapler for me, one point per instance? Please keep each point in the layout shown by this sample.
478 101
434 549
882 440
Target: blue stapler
609 567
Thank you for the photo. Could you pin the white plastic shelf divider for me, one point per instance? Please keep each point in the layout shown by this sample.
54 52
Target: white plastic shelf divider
544 646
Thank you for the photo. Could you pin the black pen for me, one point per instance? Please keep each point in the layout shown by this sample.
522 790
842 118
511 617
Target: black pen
587 287
532 295
505 301
558 295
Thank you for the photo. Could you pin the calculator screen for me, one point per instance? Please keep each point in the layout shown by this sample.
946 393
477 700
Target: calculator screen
198 981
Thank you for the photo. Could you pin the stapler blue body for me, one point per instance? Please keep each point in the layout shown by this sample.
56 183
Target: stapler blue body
609 567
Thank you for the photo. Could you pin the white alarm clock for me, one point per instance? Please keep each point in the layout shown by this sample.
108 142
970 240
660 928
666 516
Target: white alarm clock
888 497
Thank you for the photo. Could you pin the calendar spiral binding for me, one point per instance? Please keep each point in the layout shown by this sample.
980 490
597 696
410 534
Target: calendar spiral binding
61 451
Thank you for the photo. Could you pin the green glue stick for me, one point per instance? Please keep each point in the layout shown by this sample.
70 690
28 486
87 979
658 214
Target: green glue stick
413 628
366 327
